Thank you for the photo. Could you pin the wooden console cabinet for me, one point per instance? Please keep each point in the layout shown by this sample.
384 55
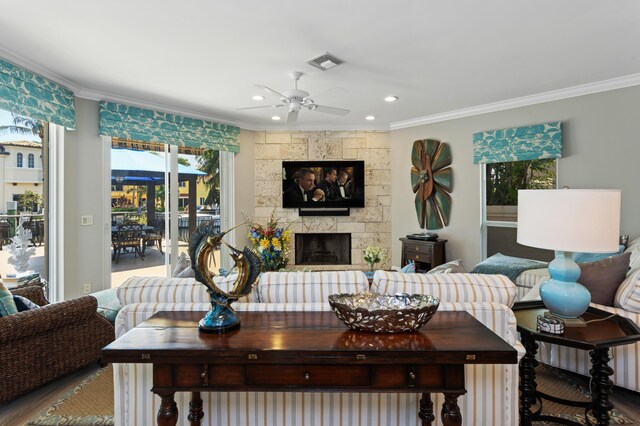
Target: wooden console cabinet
426 254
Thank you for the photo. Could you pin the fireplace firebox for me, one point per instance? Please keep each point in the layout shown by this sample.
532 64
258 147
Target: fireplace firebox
323 249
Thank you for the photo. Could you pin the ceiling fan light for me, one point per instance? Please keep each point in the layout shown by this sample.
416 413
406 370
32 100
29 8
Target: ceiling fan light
276 118
370 117
258 98
390 98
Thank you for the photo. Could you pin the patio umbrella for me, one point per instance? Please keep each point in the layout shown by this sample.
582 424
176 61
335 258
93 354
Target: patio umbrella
131 167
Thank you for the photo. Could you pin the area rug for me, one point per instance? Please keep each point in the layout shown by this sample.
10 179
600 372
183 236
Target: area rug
562 384
89 404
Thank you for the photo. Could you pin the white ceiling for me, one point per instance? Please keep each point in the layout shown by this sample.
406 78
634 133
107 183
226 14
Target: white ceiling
203 58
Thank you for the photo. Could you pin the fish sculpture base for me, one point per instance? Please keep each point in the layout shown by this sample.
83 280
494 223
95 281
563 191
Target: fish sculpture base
222 318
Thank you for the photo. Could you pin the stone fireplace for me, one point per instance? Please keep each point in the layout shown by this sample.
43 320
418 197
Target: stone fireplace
323 249
366 226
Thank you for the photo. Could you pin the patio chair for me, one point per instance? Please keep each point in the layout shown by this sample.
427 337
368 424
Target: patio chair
127 240
154 235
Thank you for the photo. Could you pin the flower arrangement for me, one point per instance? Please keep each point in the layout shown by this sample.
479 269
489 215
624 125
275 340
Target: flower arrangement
271 243
373 255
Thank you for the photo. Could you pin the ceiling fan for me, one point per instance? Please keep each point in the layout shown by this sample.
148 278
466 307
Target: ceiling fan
296 99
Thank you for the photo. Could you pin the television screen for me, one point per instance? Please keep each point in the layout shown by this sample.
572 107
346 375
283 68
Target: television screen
322 184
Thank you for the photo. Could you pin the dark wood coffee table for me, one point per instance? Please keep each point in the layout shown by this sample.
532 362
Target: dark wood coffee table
298 351
597 337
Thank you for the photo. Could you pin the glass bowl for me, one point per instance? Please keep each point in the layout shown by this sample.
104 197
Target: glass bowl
383 313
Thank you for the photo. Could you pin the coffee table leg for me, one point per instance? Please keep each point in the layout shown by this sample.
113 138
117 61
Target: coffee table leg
450 413
601 385
527 387
168 411
195 409
426 410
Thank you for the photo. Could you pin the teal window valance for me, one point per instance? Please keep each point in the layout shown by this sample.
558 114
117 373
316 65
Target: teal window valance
518 143
26 93
134 123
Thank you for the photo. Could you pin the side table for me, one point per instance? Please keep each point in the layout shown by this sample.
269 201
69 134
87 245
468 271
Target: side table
426 254
603 331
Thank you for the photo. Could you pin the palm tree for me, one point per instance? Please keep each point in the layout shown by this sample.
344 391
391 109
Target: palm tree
210 164
23 126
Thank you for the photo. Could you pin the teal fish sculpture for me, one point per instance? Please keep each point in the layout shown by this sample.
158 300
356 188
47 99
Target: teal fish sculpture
222 318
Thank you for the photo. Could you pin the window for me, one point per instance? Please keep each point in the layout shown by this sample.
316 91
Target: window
30 161
19 160
500 193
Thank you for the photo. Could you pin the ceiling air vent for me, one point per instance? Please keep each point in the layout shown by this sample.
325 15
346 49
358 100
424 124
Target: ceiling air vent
325 61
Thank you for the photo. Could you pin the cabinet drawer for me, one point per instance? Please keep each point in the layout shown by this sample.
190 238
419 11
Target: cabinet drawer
308 375
411 249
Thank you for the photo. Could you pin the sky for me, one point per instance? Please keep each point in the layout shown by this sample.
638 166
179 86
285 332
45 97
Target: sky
7 119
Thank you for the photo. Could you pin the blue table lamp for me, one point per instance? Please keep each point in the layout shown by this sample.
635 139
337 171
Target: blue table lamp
567 221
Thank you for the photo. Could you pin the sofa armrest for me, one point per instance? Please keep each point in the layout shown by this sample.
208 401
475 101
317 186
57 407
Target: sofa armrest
49 317
35 293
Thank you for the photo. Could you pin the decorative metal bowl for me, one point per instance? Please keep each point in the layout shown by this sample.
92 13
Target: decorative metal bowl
381 313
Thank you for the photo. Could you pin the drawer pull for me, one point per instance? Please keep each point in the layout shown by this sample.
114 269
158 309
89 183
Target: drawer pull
412 375
205 375
307 376
417 248
417 257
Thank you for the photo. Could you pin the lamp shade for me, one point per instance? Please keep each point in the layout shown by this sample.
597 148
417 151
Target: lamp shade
575 220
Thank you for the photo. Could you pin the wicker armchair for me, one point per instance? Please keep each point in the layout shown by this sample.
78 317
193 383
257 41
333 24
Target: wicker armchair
43 344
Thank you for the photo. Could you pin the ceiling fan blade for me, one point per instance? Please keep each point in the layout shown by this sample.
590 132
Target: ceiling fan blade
261 106
272 92
292 117
329 110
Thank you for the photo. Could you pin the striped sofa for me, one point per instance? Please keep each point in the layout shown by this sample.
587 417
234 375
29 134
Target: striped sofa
492 389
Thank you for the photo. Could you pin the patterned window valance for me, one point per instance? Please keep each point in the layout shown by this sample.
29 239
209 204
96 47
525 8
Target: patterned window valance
518 144
130 122
25 93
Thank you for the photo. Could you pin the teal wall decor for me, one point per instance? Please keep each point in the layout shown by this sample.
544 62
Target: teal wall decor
518 143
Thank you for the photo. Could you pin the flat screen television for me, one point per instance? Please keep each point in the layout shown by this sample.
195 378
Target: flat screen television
341 183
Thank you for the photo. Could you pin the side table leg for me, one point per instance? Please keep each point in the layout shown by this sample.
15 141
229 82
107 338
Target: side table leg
168 411
601 385
450 413
195 409
527 386
426 410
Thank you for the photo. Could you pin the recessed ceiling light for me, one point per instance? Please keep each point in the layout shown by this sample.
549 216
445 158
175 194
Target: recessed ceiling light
258 98
276 118
390 98
370 117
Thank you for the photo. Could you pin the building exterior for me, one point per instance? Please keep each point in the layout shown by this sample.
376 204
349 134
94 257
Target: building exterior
20 170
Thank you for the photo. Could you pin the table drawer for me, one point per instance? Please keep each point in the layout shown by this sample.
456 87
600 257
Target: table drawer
308 375
417 252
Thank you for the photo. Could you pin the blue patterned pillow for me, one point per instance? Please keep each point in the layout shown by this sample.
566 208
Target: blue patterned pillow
7 305
24 304
108 304
409 268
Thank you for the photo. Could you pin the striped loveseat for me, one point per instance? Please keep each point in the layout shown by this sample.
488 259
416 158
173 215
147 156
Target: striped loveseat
492 396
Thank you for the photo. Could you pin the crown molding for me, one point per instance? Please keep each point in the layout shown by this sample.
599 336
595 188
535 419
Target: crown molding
24 63
156 106
554 95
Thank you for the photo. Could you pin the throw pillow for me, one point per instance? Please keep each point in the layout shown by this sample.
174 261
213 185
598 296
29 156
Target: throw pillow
452 267
602 278
7 305
592 257
183 267
108 304
409 268
634 261
24 304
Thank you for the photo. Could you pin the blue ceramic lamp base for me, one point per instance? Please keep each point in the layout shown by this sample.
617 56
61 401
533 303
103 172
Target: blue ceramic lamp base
561 294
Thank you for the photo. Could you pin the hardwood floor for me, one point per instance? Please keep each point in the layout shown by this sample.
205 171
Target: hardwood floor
18 411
